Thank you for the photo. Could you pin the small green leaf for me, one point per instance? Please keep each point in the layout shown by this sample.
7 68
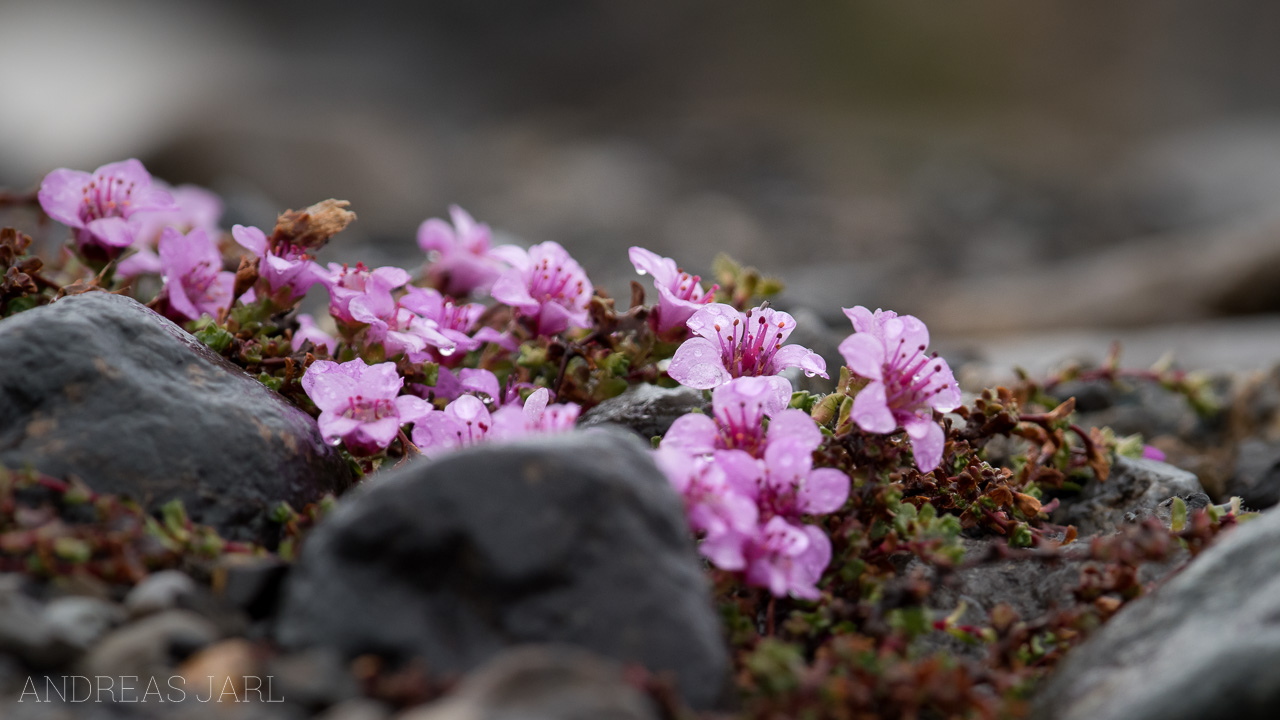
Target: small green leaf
1178 520
215 337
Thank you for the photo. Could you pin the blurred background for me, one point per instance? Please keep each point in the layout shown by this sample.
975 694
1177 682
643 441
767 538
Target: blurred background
1031 179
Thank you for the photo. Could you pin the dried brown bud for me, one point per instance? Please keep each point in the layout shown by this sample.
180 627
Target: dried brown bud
1026 504
312 227
12 245
246 275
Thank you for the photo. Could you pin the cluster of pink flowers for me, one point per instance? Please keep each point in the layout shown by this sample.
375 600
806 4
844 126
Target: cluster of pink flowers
747 490
362 407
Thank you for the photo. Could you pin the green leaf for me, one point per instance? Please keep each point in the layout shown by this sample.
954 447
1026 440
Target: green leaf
1178 520
215 337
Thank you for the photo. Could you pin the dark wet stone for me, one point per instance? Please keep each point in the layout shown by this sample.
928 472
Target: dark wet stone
1205 644
99 387
1134 485
314 678
1257 476
542 683
251 584
647 409
575 539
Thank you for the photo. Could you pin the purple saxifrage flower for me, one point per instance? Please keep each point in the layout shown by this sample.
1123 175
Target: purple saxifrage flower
289 272
360 405
680 294
308 331
907 384
546 285
347 283
459 258
195 208
103 206
729 344
456 322
788 558
194 282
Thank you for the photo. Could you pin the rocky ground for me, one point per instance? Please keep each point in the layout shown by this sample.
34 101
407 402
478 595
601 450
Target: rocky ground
552 579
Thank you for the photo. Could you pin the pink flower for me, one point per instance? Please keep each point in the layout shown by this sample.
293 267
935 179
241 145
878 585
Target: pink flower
537 416
459 259
103 206
726 517
680 294
465 421
1151 452
546 285
196 207
347 283
194 282
453 321
729 344
739 408
360 405
906 385
788 559
308 331
288 271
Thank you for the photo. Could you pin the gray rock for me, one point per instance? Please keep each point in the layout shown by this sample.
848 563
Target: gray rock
647 409
1134 485
1134 407
1257 476
357 709
159 591
314 678
542 683
1032 587
251 584
24 631
575 539
81 621
150 647
99 387
1203 645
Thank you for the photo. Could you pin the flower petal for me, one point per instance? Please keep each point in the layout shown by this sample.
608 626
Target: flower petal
864 354
824 491
871 410
697 364
694 434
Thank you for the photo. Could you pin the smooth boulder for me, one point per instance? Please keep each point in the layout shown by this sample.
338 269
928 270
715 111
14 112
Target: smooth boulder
98 387
1205 644
575 539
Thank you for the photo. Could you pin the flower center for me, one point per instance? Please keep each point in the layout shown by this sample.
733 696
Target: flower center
909 377
369 409
105 196
749 352
554 283
741 428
